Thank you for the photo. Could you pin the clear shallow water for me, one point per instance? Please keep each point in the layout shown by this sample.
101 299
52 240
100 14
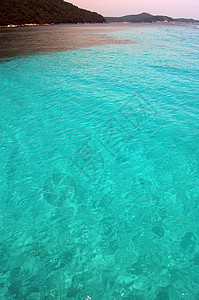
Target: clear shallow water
99 170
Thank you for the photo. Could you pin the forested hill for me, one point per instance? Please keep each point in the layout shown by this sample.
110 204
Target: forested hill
147 18
20 12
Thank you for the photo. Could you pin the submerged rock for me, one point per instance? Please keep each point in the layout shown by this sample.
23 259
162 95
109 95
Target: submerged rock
163 295
188 243
136 269
196 259
159 230
15 289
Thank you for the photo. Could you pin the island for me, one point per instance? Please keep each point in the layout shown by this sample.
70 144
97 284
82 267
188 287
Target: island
21 12
148 18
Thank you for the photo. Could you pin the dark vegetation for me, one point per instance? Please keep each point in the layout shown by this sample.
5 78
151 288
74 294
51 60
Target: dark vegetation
20 12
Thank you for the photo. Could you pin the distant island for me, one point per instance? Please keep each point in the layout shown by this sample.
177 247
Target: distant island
21 12
147 18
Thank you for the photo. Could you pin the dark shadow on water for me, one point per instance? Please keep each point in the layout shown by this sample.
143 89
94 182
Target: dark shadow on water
22 41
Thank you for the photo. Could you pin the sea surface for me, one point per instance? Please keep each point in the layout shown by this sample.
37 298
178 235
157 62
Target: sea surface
99 162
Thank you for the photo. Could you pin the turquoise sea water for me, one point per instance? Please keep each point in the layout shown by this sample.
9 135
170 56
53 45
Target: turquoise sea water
99 170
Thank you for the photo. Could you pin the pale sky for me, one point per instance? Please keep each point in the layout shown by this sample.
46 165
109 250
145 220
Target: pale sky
171 8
